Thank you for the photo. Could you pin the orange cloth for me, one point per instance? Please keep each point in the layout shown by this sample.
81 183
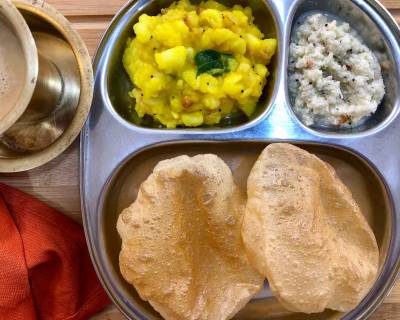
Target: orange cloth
45 268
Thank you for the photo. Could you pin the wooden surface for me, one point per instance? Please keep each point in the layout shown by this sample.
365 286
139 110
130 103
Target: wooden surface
57 183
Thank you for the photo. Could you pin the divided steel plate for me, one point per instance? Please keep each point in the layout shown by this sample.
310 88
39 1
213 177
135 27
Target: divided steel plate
117 155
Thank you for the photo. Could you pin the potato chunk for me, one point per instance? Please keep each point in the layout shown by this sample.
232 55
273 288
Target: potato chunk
171 60
261 50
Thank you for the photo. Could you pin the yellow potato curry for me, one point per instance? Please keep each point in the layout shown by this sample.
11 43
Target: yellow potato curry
193 65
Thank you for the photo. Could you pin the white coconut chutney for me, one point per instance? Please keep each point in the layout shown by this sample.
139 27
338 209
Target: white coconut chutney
334 79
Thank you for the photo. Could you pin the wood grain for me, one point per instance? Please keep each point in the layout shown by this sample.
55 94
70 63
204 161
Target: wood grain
391 4
103 7
57 183
87 7
91 29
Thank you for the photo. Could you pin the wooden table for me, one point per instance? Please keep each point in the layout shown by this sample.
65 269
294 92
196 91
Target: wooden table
57 183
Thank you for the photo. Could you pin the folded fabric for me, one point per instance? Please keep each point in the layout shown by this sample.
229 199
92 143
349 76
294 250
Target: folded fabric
45 268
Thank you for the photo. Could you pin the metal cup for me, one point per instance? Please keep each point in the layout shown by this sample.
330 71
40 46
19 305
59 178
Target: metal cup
46 84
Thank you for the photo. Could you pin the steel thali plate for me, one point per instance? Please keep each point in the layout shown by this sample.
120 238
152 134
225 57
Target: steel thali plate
117 154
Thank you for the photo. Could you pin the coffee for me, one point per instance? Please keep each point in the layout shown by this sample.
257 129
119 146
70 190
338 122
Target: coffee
12 68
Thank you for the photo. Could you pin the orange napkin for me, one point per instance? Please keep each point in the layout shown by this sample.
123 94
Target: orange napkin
45 268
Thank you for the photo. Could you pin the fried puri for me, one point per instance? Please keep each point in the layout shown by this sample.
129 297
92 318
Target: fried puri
304 231
181 241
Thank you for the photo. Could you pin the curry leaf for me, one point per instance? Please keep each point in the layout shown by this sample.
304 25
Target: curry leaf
213 62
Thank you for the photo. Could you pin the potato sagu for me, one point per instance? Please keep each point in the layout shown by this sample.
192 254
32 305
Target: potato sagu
193 65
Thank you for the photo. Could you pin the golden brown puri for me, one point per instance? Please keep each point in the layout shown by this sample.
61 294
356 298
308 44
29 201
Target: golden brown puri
304 231
181 241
